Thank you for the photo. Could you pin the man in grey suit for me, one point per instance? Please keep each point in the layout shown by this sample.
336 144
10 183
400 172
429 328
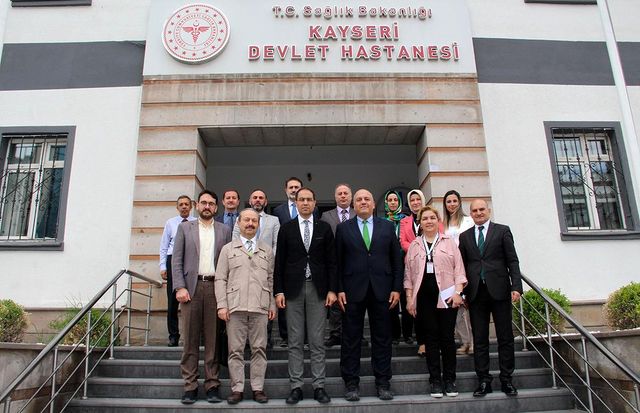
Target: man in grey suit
195 254
269 224
341 213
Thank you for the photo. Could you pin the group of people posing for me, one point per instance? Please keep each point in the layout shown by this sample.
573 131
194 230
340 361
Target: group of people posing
243 268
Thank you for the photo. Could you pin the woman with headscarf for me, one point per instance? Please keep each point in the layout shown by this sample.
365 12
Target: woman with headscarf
409 230
455 222
393 213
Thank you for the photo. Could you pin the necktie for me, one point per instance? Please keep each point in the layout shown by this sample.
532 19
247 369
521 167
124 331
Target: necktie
184 220
230 219
307 244
481 248
294 211
344 215
365 234
249 247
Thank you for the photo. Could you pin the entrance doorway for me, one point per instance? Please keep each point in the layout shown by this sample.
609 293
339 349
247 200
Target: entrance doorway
372 157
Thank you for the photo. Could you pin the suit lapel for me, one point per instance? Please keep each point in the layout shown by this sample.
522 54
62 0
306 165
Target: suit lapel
195 234
355 232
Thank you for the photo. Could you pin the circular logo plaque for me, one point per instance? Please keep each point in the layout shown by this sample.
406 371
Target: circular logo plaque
195 33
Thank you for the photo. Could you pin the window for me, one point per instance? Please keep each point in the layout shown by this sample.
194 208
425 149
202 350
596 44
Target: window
33 186
590 184
36 3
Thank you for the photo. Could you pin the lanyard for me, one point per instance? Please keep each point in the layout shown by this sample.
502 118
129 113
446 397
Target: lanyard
433 245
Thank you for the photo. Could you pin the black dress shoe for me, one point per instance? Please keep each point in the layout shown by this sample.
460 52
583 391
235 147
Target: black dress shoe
384 393
284 343
352 394
295 396
213 395
321 396
332 341
189 397
408 340
483 389
173 341
509 389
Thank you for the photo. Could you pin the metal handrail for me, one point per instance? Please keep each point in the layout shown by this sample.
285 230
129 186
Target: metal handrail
585 336
85 311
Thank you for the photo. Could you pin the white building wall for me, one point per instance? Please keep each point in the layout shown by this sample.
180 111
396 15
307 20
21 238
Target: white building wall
98 216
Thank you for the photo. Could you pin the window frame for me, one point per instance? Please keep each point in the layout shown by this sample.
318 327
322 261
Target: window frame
49 3
6 135
577 2
627 201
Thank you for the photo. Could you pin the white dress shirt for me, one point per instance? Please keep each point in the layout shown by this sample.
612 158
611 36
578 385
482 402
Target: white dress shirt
168 236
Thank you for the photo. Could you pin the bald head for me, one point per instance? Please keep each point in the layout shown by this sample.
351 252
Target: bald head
363 203
480 211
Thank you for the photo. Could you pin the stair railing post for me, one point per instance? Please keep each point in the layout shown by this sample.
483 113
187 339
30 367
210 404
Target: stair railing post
550 343
635 390
7 404
53 380
587 376
129 285
87 351
524 334
113 319
146 330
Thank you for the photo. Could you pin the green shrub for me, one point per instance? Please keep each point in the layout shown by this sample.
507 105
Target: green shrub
80 329
13 321
533 309
623 307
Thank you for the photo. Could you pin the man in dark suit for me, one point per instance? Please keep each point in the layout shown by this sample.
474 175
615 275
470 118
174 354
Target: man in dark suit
195 255
230 201
305 283
493 273
288 211
341 213
370 276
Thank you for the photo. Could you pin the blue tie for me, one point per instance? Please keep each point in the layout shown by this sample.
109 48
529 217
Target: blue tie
294 211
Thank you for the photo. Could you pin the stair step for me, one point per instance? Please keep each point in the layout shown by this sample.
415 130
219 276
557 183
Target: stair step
528 400
276 353
151 388
279 368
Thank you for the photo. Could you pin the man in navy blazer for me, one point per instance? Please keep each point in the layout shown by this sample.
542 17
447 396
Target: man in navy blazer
288 210
493 272
370 276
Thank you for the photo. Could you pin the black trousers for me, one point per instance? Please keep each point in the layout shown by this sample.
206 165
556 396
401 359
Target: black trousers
480 309
172 305
437 326
352 328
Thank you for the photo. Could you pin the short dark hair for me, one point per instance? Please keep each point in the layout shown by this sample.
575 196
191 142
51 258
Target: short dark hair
304 188
293 178
231 190
183 197
258 189
210 193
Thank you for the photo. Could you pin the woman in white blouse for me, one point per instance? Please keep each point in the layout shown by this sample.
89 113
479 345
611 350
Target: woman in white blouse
455 222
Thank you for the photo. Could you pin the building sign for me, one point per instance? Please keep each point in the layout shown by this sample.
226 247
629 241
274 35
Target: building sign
306 36
195 33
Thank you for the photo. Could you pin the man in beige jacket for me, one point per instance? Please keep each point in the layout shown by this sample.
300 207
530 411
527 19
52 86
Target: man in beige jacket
244 293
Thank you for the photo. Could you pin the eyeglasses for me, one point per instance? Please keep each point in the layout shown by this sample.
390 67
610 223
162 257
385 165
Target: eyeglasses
209 204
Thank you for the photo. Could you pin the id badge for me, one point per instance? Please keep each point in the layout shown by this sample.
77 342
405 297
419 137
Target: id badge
430 267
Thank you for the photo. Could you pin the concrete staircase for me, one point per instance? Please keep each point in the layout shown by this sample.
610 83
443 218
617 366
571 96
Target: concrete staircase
147 379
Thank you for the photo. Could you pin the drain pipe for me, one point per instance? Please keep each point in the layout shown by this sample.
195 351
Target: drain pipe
631 145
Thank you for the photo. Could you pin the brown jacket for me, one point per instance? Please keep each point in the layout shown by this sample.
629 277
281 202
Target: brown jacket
243 282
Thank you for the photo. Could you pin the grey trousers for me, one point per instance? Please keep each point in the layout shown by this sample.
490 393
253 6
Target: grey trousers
307 308
463 326
243 325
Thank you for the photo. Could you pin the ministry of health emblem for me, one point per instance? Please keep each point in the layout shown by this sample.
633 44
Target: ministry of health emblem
195 33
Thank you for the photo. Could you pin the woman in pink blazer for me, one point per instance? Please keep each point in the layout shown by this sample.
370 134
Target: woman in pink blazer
434 280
